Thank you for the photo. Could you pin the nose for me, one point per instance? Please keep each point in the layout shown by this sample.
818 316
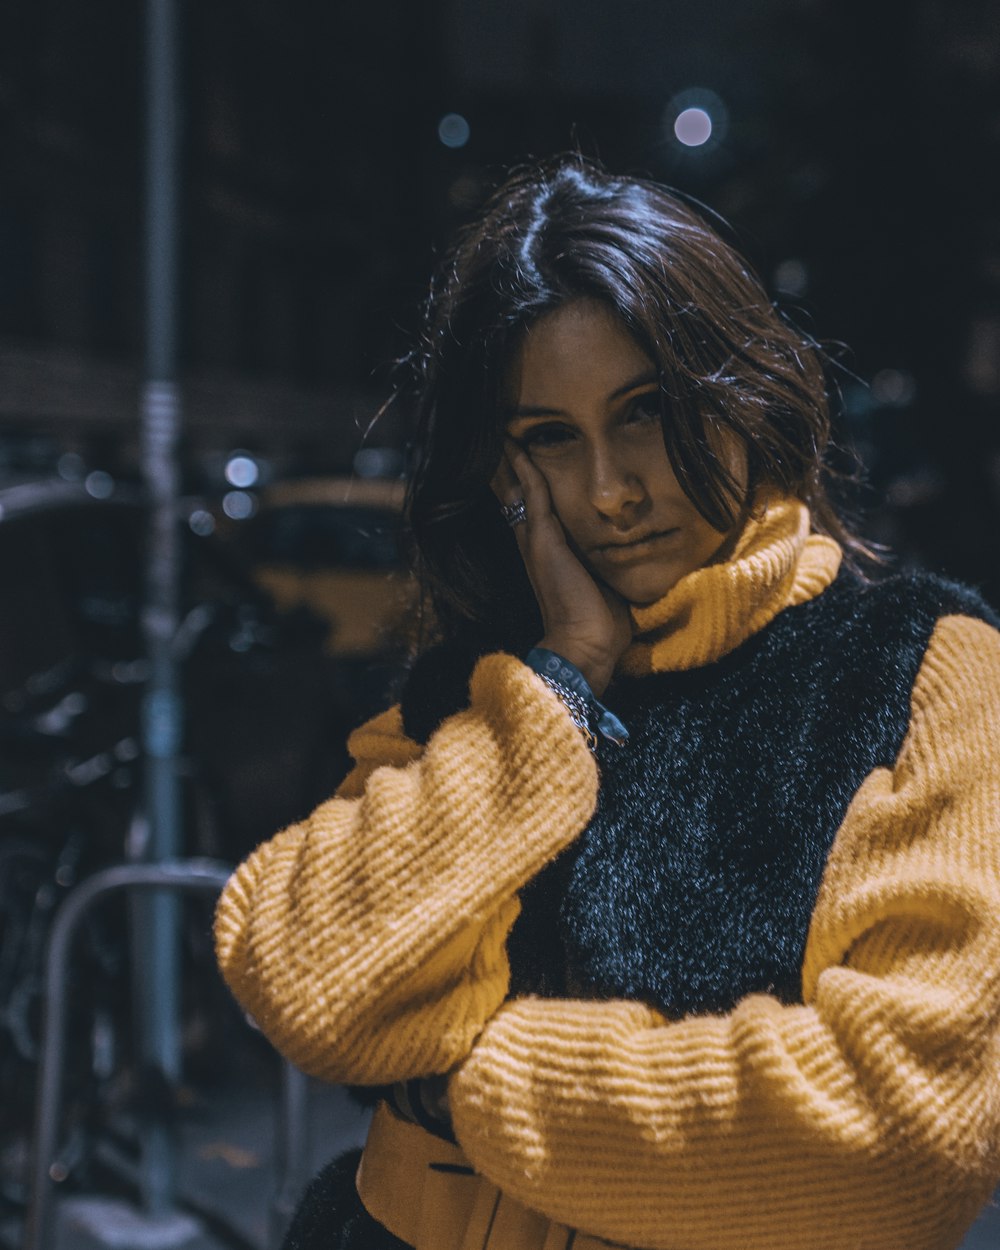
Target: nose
617 489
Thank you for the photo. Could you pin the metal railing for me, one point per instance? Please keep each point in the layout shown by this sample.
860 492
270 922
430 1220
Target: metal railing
184 876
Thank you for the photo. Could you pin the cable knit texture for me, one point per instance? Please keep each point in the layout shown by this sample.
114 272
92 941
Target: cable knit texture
370 943
777 563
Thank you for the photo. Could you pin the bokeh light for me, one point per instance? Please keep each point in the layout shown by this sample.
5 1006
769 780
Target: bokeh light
454 130
70 467
693 127
894 388
238 505
791 277
242 470
696 118
378 462
99 485
201 523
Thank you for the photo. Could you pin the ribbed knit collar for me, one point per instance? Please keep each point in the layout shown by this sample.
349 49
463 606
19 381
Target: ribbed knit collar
775 564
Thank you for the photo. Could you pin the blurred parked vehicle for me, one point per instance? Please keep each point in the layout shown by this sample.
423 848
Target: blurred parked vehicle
328 544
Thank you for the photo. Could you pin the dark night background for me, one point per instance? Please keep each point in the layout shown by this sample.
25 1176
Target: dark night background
329 150
858 160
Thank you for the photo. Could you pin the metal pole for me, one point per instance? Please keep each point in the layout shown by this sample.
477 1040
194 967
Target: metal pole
202 875
290 1150
156 918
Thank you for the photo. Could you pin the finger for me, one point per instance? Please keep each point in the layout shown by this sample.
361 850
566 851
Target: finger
508 491
533 486
544 525
504 483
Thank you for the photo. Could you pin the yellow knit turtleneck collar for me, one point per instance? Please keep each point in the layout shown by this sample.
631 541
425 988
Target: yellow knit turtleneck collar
776 563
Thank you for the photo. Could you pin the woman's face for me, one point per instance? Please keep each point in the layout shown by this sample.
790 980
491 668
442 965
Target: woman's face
583 401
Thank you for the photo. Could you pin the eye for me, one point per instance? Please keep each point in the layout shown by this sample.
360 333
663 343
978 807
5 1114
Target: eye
542 436
645 407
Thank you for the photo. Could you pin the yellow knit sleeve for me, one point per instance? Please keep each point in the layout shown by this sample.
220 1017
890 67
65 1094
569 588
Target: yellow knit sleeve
379 742
368 942
867 1118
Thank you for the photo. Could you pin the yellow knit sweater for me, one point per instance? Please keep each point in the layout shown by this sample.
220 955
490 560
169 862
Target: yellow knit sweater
368 943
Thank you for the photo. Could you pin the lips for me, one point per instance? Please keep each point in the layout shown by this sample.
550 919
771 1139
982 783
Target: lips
635 547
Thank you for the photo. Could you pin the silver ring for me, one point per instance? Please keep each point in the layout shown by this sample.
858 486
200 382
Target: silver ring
514 513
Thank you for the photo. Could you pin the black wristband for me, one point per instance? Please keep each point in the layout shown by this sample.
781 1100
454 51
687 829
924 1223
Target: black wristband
558 672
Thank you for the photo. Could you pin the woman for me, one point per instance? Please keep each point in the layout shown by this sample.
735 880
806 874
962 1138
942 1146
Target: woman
668 897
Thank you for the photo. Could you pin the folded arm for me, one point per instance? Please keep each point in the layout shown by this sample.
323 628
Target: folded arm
869 1116
368 941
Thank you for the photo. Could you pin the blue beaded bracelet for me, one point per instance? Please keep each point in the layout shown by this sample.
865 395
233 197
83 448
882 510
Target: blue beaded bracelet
551 666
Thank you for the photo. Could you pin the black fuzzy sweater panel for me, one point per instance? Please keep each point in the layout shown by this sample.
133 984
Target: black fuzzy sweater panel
695 882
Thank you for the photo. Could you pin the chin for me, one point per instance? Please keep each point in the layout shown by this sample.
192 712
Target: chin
641 591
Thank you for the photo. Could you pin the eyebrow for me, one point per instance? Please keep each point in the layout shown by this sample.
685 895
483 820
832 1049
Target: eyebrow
646 378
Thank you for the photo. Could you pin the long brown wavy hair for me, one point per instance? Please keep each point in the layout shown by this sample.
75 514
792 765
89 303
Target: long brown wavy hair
728 362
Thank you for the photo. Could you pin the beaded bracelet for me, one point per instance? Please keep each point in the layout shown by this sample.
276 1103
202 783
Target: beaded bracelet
567 682
579 709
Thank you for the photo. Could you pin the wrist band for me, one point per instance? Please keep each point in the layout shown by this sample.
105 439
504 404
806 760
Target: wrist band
566 681
578 708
